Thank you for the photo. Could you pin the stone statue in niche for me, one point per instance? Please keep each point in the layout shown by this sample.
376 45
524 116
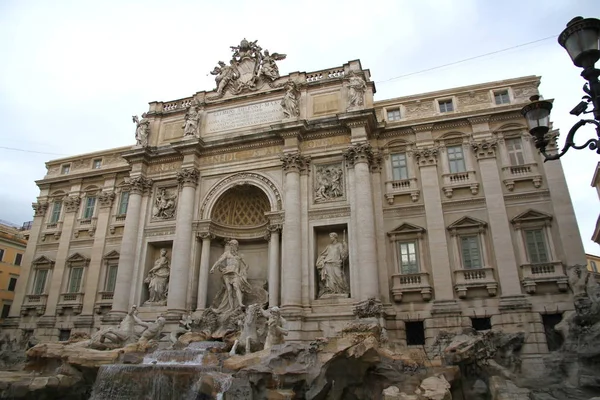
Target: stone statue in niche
234 272
329 183
290 102
158 280
192 119
142 130
330 265
164 204
356 90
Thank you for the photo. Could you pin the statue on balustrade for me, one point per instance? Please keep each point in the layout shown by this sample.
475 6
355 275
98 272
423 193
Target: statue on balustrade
330 266
290 102
192 119
268 66
158 281
356 90
142 130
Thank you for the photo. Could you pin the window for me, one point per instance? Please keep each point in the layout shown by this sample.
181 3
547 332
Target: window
471 255
415 333
64 335
90 204
514 148
408 258
111 278
65 169
1 254
39 284
55 216
96 164
446 105
124 201
481 324
456 159
12 283
553 338
5 310
75 279
594 266
399 169
18 258
536 246
502 97
393 115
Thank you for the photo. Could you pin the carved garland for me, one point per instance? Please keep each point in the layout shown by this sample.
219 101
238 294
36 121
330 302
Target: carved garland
241 178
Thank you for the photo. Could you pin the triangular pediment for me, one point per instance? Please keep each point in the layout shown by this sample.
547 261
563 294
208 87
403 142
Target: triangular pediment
113 255
406 228
76 257
42 260
531 215
467 222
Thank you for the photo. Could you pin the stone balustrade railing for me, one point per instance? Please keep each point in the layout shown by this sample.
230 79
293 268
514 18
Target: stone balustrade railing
466 279
325 74
458 180
542 273
401 187
411 283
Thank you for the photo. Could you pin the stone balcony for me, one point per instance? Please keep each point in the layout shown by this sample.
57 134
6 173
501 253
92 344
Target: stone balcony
73 301
459 180
466 279
525 172
116 222
104 302
85 224
543 273
52 228
401 187
411 283
34 302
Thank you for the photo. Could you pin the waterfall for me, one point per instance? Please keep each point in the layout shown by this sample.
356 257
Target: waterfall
164 375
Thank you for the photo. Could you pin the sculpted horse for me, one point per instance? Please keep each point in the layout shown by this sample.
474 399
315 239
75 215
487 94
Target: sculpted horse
249 335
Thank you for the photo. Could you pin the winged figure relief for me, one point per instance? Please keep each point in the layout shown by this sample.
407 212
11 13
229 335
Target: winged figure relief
269 67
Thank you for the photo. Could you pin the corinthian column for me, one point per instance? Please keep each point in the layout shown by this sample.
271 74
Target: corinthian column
182 245
137 187
274 279
204 266
360 156
291 296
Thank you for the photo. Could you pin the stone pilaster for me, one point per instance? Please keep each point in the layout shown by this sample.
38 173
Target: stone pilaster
291 295
360 156
204 267
138 186
274 270
40 209
427 159
105 201
182 245
71 205
506 263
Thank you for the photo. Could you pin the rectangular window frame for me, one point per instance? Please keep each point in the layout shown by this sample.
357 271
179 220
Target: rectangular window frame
12 283
456 165
446 105
412 266
503 96
111 278
399 163
516 157
473 239
1 254
89 208
123 202
56 211
535 257
39 286
65 169
18 259
96 163
75 279
5 311
393 114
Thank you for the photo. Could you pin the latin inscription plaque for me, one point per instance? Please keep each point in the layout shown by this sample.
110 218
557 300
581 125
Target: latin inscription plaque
240 117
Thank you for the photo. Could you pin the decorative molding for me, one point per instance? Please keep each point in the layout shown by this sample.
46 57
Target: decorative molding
328 213
205 236
480 119
72 203
404 211
105 199
39 208
426 156
360 152
478 202
139 185
329 183
188 177
485 148
295 162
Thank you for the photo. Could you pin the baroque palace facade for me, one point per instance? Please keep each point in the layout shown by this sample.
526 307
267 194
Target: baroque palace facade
442 209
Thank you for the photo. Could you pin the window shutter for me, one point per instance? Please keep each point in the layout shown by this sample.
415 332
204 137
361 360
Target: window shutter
111 278
75 281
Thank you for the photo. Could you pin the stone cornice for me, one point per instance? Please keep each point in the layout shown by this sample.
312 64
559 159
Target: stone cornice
482 119
193 145
240 147
138 155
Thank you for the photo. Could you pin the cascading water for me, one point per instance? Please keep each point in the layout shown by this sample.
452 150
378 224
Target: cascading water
164 375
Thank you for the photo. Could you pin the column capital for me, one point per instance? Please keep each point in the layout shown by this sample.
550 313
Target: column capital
106 199
426 156
360 152
139 185
295 162
276 228
376 162
205 236
72 203
39 208
188 177
485 148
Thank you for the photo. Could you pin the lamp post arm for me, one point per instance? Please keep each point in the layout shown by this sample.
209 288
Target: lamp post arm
593 144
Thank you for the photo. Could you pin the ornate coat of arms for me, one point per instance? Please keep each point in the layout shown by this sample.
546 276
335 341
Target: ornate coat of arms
249 69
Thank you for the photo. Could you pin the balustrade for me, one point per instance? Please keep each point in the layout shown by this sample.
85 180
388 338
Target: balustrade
411 283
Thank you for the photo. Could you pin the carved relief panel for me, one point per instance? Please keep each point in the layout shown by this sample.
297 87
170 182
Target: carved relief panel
328 183
164 203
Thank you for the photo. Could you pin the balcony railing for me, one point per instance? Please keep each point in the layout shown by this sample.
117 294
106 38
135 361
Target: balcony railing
525 172
466 279
103 302
72 301
34 302
543 273
411 283
459 180
401 187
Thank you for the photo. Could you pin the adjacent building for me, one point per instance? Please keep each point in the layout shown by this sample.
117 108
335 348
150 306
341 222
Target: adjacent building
12 249
596 184
443 210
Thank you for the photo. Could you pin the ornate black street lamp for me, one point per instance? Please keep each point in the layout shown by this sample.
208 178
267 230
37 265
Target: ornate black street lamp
581 39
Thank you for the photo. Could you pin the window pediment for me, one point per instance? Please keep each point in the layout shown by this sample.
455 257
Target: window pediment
77 258
113 255
467 224
532 218
406 231
43 262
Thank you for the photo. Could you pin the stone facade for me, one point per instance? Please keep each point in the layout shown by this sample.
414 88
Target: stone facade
446 212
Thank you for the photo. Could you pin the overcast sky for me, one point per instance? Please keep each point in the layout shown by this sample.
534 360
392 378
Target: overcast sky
72 73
